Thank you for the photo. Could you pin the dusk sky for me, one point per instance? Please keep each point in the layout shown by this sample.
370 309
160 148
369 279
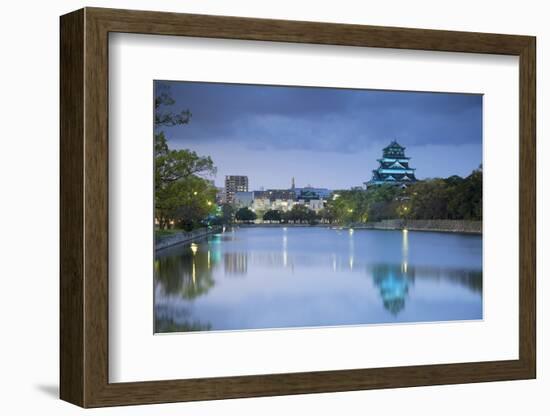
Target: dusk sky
324 137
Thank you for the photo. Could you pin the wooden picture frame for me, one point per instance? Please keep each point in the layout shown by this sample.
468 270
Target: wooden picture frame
84 207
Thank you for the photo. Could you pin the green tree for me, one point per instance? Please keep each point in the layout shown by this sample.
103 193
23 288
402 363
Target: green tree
451 198
182 194
228 213
341 206
175 165
312 217
327 215
245 215
300 213
225 215
403 209
429 200
466 201
163 115
349 206
185 202
384 202
272 215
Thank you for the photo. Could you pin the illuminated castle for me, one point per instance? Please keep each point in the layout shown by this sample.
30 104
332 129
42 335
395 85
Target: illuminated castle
394 168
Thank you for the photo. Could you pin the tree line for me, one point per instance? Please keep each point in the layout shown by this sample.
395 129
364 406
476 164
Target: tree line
301 214
452 198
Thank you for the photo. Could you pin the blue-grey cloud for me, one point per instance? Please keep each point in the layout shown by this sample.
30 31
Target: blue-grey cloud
324 136
322 119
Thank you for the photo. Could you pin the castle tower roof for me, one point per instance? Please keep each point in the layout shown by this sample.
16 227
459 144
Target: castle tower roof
393 167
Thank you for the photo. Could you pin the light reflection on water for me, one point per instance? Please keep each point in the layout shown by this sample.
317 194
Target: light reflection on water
254 278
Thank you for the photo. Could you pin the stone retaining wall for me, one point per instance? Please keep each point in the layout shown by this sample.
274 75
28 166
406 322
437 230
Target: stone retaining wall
453 226
183 237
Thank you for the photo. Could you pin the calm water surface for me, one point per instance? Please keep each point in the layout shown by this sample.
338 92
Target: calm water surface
252 278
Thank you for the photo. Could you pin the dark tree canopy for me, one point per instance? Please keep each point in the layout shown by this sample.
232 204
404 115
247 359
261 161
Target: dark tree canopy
300 213
272 215
163 115
451 198
245 214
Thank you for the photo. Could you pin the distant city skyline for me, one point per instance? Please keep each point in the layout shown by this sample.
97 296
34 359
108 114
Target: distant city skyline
323 137
265 188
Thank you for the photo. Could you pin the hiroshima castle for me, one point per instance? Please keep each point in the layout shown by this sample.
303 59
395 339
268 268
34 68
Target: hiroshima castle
394 168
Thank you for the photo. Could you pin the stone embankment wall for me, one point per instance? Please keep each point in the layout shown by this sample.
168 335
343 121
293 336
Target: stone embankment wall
453 226
183 237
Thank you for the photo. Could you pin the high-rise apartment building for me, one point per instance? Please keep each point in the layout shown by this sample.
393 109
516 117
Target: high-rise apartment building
234 183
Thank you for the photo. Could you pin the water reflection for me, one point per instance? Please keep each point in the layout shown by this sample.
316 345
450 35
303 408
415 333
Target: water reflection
166 323
188 274
340 278
351 249
285 248
235 263
393 283
405 251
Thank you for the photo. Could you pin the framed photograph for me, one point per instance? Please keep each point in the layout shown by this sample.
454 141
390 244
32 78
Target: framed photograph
255 207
